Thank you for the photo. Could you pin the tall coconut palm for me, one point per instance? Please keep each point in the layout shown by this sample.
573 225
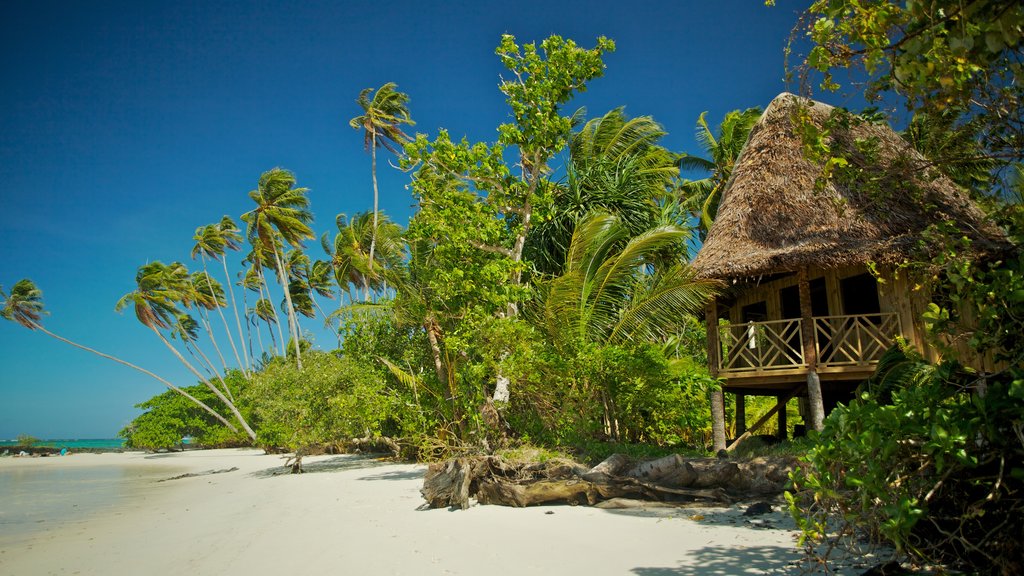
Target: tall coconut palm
159 290
721 152
24 305
282 211
381 123
212 241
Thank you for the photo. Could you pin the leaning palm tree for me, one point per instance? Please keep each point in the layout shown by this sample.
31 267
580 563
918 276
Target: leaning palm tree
254 280
282 212
24 305
702 196
381 123
159 290
211 241
264 310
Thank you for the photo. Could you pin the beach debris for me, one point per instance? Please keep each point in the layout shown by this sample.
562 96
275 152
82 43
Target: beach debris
673 480
758 508
197 474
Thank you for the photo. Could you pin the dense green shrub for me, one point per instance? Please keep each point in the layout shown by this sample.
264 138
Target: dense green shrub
329 401
169 417
922 462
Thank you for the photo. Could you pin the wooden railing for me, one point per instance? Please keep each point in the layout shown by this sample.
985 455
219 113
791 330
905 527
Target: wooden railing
854 340
760 347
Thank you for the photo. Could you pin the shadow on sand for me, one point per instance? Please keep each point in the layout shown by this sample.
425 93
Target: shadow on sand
336 464
396 475
733 560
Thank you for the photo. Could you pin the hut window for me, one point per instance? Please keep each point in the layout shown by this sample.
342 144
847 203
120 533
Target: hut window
860 294
789 299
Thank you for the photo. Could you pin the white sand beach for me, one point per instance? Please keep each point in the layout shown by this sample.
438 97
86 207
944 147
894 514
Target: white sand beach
355 515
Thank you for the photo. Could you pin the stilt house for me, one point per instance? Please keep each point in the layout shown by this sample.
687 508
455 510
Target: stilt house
806 317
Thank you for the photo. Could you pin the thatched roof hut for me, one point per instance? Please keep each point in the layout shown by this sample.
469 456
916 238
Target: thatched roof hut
773 218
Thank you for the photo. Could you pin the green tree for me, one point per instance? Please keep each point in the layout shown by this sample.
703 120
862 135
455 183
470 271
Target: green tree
938 56
702 196
168 418
543 79
381 123
954 149
24 305
282 212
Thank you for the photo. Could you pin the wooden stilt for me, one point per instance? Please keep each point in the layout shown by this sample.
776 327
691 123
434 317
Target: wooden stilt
810 353
782 434
741 414
757 425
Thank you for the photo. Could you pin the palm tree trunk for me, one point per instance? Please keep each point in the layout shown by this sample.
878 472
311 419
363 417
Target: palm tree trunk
238 322
231 405
373 174
259 336
196 401
293 326
208 364
205 317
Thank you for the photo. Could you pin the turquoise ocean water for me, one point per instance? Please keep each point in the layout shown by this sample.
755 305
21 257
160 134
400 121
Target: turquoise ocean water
71 443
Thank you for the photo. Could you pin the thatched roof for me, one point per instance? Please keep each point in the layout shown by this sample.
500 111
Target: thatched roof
772 218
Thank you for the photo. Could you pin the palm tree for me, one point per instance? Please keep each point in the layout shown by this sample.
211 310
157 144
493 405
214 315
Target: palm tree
702 196
350 256
954 149
282 211
609 293
24 305
159 290
212 241
254 280
616 166
381 123
265 311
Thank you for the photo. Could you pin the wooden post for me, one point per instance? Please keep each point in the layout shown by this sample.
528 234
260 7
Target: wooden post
810 352
717 396
782 434
780 404
741 414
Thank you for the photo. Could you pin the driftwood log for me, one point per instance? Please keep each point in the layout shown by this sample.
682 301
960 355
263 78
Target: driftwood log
674 480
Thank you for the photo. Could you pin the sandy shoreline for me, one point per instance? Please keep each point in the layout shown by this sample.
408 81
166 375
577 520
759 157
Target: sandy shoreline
352 515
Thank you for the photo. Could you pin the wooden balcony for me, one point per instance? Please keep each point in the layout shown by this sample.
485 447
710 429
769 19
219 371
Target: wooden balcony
768 353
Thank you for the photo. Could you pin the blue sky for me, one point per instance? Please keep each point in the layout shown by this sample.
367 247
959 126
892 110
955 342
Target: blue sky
125 125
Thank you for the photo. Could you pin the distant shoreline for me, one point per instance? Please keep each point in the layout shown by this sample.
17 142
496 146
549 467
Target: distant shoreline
54 446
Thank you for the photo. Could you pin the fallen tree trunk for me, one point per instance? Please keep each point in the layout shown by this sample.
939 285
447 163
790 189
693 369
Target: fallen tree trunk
674 479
